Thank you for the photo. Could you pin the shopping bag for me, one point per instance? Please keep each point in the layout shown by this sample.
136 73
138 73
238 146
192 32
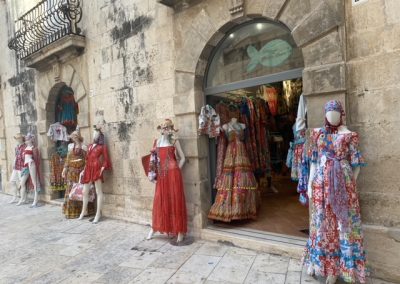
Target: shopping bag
76 192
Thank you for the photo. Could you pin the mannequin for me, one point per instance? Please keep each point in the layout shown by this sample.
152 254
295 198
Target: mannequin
335 216
18 165
30 170
169 186
73 166
97 161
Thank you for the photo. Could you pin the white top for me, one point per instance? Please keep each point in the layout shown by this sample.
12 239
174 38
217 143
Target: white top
58 132
301 114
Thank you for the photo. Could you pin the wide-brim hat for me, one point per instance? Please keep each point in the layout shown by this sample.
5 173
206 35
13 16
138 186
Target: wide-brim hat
19 136
167 124
76 134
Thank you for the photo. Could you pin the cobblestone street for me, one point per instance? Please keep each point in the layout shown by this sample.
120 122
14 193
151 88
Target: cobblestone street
40 246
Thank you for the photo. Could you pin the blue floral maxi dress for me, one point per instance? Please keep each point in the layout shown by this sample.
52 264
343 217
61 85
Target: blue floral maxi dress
335 245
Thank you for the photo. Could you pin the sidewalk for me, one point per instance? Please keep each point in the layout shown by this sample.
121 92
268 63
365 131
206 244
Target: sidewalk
38 245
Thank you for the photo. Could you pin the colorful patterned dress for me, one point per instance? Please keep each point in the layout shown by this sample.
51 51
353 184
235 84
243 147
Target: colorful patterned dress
169 205
237 187
74 163
335 245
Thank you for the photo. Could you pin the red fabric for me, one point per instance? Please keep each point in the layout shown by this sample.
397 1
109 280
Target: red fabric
97 157
19 157
169 206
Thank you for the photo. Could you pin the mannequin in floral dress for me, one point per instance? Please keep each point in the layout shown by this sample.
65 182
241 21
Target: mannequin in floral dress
169 205
335 246
236 186
97 160
18 165
73 166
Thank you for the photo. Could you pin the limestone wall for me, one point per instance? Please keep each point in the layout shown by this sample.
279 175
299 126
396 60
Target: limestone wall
373 70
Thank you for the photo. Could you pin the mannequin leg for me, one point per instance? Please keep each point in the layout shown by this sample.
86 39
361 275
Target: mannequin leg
99 192
15 192
85 200
33 173
150 235
24 179
180 238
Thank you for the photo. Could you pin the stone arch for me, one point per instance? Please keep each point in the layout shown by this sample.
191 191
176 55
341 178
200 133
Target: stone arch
49 85
317 28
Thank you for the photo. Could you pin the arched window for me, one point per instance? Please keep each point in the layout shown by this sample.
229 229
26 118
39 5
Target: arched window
254 53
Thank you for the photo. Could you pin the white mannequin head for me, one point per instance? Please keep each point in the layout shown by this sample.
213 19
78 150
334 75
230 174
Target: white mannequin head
333 117
98 136
29 139
76 136
334 113
167 128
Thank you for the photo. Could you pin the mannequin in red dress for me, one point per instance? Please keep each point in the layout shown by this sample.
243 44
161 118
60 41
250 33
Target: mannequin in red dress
97 161
169 205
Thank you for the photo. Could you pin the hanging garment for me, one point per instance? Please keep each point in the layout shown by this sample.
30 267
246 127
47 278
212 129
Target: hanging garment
221 150
169 205
335 245
301 119
237 187
74 164
304 172
58 132
209 122
295 154
19 157
271 96
67 108
97 157
57 182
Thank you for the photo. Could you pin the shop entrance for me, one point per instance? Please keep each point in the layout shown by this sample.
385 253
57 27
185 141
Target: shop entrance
254 76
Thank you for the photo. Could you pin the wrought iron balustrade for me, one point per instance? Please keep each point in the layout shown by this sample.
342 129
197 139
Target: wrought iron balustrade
47 22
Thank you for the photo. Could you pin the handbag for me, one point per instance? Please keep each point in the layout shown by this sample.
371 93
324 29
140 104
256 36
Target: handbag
76 192
149 163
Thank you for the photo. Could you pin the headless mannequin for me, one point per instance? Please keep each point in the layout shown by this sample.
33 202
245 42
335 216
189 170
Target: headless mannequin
165 141
233 124
14 184
333 118
32 173
99 190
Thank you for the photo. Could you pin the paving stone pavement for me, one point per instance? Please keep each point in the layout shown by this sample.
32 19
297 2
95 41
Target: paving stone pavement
38 245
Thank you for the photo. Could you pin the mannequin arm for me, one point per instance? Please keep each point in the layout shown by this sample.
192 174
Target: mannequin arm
313 167
182 158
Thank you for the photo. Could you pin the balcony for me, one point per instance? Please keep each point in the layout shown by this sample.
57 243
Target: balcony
49 32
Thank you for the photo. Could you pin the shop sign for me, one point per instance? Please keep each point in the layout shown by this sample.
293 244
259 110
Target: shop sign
357 2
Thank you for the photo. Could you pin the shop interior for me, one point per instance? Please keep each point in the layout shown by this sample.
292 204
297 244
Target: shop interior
275 108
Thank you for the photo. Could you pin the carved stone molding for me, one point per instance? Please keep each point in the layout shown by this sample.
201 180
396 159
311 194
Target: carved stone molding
237 8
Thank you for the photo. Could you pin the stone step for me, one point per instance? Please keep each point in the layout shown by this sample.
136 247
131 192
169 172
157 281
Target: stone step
256 240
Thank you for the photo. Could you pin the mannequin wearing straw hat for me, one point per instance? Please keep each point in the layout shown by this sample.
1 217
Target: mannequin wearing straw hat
97 160
169 205
18 165
30 170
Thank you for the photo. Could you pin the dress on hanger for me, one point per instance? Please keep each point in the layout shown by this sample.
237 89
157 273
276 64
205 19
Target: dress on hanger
236 187
169 205
335 245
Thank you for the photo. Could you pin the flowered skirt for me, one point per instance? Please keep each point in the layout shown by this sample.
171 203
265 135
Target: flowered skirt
237 193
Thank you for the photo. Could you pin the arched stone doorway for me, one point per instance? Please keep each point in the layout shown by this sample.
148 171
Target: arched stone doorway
317 28
50 84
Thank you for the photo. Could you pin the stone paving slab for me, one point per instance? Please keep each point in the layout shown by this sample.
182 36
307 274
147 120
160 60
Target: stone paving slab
38 245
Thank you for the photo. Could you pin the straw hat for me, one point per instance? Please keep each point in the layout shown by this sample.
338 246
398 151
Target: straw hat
167 124
76 134
19 136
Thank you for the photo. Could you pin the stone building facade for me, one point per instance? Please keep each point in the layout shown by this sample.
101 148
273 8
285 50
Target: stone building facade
143 61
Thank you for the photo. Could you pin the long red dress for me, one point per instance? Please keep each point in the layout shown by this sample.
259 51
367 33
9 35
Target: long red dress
169 206
97 157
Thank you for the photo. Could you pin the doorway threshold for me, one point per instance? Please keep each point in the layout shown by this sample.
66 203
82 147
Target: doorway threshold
291 246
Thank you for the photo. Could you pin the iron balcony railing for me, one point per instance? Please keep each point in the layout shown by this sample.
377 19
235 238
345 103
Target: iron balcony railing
47 22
